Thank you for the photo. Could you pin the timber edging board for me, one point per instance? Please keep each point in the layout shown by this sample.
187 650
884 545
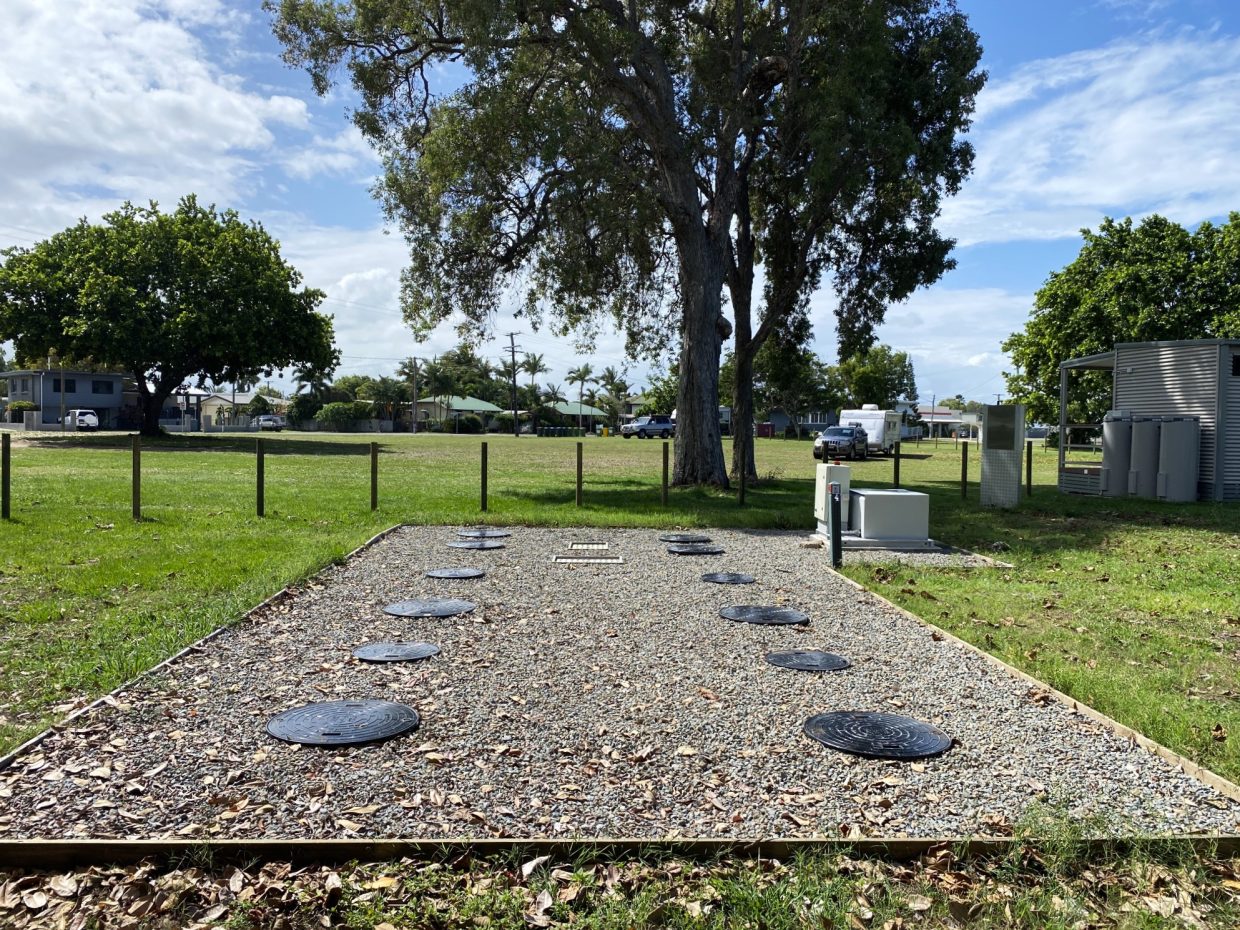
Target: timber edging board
66 854
110 698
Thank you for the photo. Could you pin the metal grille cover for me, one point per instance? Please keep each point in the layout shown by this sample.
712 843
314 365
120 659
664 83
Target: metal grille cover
395 652
455 573
808 660
728 578
430 607
342 723
476 544
483 534
877 735
764 614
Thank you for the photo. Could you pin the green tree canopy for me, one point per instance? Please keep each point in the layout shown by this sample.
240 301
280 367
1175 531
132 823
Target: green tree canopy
879 376
167 297
1129 283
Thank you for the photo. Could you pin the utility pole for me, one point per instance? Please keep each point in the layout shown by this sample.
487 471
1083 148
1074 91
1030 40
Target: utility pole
512 347
998 398
414 428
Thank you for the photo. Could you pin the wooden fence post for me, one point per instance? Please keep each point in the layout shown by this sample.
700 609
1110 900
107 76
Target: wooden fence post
964 470
484 477
137 476
6 465
665 446
579 448
374 476
262 469
895 462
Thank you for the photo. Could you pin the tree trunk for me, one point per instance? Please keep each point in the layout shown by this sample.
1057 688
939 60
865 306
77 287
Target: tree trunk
152 405
742 413
699 445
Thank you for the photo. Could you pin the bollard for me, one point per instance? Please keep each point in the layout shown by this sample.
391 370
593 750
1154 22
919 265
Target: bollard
665 445
837 536
374 476
137 477
895 462
262 477
964 471
579 446
6 465
1029 468
484 477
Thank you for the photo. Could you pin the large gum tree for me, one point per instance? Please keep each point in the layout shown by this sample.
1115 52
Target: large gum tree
597 154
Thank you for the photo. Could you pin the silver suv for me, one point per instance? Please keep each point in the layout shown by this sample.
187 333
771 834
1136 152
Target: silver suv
848 441
657 425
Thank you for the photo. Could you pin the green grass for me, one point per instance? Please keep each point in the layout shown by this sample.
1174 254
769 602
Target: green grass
1129 606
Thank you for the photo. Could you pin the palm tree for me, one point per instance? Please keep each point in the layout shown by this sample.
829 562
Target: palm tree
581 377
553 394
440 380
386 394
313 380
533 366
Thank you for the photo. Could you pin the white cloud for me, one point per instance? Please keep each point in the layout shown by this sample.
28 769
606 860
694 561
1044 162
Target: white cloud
1148 124
104 100
345 153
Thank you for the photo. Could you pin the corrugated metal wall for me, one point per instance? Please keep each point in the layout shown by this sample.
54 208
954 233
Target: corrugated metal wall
1231 429
1173 381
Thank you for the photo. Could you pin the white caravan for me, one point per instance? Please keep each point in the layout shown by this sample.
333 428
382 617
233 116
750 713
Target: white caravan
882 426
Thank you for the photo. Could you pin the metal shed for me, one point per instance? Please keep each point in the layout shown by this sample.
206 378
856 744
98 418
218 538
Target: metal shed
1187 378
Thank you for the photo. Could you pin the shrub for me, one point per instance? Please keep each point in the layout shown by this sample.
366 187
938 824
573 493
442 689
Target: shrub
19 407
258 406
302 407
339 415
470 423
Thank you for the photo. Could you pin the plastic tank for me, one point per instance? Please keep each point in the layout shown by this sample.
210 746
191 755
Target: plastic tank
1179 459
1143 462
1116 453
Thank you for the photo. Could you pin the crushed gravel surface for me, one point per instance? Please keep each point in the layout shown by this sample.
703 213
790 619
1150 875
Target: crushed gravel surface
584 700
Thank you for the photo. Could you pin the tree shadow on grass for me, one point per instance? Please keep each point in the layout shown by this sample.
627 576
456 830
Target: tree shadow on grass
244 442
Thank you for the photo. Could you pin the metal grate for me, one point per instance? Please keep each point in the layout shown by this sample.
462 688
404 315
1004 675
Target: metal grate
476 544
589 545
588 560
876 735
694 549
455 573
342 723
483 534
684 538
728 578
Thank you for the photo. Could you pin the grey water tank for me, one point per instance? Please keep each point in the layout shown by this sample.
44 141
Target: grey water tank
1116 453
1143 462
1179 459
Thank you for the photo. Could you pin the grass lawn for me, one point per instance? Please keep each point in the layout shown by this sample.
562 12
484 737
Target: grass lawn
1129 606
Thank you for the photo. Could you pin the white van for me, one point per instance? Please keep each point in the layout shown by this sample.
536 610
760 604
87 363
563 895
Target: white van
882 426
85 419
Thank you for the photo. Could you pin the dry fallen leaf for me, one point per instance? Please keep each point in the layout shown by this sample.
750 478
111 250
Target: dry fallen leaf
918 903
527 868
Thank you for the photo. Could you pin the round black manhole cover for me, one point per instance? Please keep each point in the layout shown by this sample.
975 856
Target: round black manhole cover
684 538
455 573
340 723
430 607
476 544
876 735
483 534
694 549
808 660
728 578
395 652
758 613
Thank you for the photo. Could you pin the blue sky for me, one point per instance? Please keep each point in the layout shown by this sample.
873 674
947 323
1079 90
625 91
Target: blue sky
1093 108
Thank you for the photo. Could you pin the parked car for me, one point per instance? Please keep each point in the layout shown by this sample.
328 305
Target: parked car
270 421
657 425
86 419
850 442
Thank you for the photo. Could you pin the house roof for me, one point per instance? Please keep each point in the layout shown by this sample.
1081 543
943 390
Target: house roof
243 397
572 408
470 405
56 372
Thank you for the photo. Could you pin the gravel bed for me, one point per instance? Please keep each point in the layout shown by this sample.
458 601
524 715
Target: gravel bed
585 700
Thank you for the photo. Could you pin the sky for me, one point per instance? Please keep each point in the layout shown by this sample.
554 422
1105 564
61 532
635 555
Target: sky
1093 108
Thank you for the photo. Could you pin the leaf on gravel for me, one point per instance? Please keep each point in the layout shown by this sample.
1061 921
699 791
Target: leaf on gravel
918 903
686 751
381 883
332 886
349 825
708 694
527 868
65 886
236 881
368 809
642 754
35 900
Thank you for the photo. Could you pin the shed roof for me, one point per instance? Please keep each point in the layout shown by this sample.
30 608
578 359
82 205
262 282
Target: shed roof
572 408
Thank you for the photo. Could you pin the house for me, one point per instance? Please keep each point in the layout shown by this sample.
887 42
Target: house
219 406
1156 384
940 422
52 390
446 408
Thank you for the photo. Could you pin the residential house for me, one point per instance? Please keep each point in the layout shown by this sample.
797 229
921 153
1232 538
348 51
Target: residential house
52 390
